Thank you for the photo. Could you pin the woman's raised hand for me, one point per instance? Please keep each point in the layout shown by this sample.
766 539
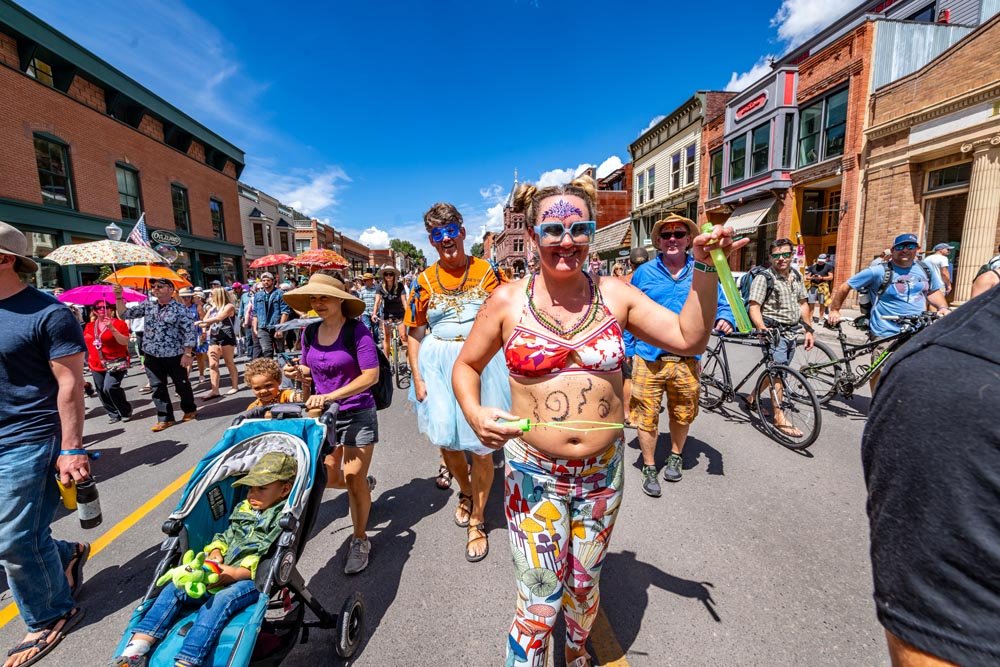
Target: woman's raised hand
491 427
719 238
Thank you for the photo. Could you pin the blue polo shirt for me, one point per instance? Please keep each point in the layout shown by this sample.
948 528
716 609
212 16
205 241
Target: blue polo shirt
655 281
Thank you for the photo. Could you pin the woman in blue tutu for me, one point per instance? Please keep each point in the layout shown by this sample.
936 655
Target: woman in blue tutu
444 301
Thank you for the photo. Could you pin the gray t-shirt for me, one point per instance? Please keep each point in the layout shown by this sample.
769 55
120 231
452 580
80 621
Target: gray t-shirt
37 329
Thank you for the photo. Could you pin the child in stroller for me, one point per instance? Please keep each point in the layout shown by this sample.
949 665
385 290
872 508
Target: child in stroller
263 632
233 557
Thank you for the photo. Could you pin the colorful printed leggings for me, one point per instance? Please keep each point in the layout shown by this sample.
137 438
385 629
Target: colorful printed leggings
560 513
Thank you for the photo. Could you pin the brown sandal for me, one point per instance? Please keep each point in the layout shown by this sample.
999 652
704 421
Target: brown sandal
481 529
464 505
444 478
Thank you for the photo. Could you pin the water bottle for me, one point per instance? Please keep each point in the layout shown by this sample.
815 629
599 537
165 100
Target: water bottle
88 504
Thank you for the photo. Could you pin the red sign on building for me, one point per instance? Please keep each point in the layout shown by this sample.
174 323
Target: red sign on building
753 105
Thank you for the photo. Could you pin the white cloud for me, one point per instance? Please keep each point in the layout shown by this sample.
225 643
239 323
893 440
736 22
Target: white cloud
798 20
738 82
561 176
613 163
656 119
310 191
375 238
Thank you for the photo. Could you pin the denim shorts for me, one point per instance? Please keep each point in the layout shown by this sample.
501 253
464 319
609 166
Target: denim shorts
356 428
784 351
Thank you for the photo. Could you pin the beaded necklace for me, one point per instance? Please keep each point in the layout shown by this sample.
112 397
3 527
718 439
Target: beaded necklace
461 285
585 321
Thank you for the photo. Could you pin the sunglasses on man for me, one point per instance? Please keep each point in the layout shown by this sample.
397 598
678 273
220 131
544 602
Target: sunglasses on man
781 255
905 246
677 234
552 233
449 231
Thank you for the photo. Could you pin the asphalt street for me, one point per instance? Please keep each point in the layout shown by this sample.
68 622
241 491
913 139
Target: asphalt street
759 556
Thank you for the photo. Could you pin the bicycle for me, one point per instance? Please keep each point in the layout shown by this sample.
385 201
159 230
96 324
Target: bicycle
783 387
400 369
829 376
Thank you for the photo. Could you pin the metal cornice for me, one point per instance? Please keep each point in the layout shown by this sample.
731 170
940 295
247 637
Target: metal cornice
984 94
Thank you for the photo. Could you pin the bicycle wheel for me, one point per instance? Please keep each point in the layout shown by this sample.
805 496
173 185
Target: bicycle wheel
783 391
712 387
395 361
820 368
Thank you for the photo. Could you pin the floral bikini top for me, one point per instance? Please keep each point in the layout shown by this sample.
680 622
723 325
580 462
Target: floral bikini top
532 354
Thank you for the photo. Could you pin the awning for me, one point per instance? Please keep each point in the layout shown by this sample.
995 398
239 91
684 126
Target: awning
746 218
615 235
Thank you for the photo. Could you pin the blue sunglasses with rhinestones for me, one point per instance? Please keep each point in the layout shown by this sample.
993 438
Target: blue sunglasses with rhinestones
552 233
449 231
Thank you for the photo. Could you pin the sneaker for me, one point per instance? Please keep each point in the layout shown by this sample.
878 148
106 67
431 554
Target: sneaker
357 556
190 416
371 483
650 485
672 471
161 426
133 661
114 419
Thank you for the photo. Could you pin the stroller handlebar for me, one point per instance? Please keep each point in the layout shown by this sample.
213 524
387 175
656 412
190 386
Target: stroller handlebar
289 411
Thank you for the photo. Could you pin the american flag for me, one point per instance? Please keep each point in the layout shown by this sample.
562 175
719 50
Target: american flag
139 236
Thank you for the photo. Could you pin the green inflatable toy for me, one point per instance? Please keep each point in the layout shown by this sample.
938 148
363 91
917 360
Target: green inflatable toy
194 575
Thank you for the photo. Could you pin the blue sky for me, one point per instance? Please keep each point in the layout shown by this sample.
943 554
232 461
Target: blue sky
363 114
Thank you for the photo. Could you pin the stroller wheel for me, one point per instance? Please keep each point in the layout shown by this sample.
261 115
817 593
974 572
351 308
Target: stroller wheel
350 626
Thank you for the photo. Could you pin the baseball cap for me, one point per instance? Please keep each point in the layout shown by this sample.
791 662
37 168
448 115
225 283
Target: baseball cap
237 285
941 246
216 283
160 281
267 274
905 238
271 467
822 257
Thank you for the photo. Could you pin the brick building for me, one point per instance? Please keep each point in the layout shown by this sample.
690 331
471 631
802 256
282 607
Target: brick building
311 234
512 245
82 145
354 252
269 226
933 149
614 221
667 165
791 155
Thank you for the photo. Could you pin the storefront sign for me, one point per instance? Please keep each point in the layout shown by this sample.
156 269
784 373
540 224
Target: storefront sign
623 253
163 236
217 269
747 108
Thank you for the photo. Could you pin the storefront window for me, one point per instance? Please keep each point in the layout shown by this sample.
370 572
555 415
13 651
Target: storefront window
956 176
715 178
182 215
128 192
689 160
737 159
761 139
833 212
39 246
822 128
52 160
218 220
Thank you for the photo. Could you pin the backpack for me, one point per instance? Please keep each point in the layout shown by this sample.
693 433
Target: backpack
382 390
867 299
746 280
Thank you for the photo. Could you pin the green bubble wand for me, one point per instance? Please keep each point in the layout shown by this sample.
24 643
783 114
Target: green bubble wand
728 283
578 425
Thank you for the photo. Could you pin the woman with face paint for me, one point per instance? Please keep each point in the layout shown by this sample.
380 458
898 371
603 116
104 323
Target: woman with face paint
560 332
445 299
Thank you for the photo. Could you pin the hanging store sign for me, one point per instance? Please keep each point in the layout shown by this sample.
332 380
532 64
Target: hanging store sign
163 236
752 106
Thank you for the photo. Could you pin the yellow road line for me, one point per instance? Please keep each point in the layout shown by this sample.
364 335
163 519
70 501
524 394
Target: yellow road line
607 650
9 612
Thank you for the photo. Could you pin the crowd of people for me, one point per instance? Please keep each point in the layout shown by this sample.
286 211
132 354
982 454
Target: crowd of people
496 364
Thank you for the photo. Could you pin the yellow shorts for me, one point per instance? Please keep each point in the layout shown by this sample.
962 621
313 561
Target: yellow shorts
650 379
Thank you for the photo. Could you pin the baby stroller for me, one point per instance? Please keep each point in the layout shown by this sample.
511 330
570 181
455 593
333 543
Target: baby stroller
263 634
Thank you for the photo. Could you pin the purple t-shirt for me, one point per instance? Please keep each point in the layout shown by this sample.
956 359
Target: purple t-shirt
334 366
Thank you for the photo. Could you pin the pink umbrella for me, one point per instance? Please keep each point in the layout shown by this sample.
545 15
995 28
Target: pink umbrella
88 295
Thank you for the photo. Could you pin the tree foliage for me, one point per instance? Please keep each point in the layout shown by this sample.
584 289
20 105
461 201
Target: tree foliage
408 249
477 249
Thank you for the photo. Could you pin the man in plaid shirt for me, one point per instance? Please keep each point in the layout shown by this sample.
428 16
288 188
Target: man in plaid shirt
367 294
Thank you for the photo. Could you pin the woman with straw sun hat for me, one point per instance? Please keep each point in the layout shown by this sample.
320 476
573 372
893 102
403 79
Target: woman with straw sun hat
339 357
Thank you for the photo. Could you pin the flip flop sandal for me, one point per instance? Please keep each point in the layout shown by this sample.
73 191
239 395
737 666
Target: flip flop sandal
463 502
80 557
49 639
481 528
444 478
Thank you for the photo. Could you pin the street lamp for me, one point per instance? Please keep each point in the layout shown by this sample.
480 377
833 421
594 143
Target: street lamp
113 232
